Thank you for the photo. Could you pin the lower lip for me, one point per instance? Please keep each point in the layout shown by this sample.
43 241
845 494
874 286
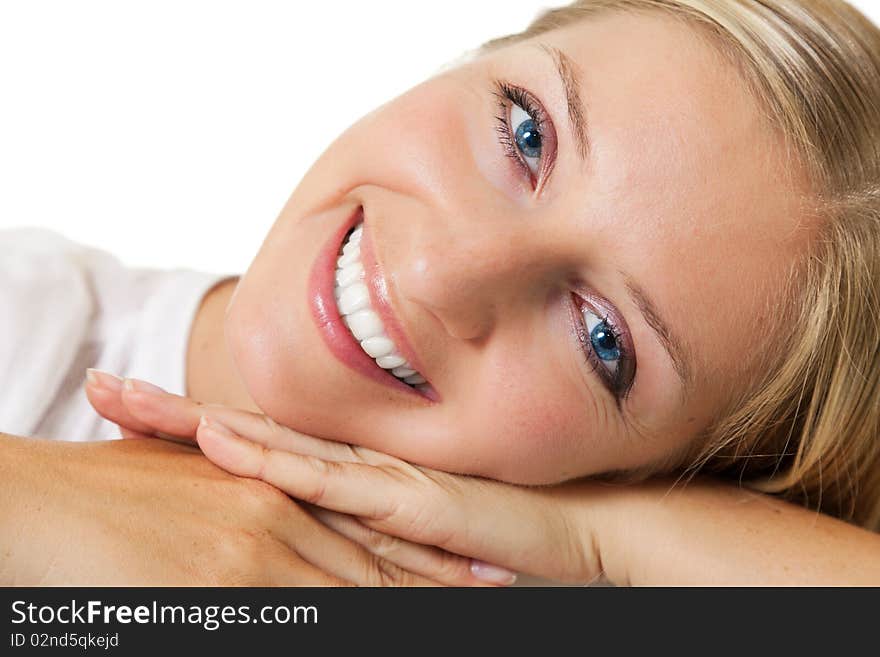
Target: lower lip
335 334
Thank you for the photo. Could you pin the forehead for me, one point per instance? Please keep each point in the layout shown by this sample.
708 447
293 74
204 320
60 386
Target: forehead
686 178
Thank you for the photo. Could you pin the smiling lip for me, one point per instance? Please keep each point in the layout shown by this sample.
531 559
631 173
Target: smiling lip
335 334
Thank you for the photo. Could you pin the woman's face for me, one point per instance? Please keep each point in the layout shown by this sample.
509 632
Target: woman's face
574 239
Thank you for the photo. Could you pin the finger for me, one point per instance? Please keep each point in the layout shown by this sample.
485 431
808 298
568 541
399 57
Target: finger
165 413
332 552
491 521
286 568
352 488
179 416
428 561
104 392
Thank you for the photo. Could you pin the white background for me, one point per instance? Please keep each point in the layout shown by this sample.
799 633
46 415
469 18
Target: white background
171 132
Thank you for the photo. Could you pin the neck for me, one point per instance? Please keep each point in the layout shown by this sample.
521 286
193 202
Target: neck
211 376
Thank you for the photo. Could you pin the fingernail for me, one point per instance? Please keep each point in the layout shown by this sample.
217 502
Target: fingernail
136 385
103 379
492 574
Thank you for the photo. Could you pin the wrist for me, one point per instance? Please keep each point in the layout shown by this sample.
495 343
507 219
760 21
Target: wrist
610 521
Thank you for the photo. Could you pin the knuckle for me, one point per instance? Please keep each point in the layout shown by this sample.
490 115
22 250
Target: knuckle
246 547
262 499
420 521
320 466
321 469
451 568
315 495
385 573
381 544
234 559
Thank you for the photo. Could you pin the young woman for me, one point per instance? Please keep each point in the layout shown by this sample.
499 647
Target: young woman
636 242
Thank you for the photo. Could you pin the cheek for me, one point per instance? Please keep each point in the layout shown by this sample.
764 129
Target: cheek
527 428
537 444
268 333
255 335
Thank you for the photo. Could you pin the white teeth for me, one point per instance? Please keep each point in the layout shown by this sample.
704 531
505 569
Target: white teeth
353 302
365 324
354 297
354 255
351 246
378 346
350 274
390 362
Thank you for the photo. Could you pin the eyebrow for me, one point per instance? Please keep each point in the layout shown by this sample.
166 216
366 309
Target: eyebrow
567 70
674 347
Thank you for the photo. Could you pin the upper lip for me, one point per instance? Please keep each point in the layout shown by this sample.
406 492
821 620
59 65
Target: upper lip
381 300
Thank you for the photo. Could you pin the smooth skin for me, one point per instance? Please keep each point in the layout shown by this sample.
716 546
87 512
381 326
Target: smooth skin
156 513
684 188
654 533
684 192
153 513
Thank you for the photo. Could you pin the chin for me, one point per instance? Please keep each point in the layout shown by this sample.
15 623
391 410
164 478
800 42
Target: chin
292 378
261 349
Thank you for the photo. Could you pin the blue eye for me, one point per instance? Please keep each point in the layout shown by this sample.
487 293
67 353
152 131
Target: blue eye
605 345
603 340
526 131
527 137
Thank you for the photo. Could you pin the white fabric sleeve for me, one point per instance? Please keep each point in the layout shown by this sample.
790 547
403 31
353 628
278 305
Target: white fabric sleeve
67 307
45 303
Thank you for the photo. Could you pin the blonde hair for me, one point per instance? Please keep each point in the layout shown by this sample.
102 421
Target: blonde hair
808 430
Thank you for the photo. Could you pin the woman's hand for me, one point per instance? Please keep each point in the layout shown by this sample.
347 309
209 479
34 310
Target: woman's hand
155 513
653 533
143 410
522 529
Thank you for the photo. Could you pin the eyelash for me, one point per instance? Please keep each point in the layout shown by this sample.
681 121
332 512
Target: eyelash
507 94
620 382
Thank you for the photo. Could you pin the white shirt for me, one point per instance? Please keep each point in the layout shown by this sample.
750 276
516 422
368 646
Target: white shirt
65 307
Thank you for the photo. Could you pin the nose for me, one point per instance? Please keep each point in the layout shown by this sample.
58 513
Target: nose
468 265
458 245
